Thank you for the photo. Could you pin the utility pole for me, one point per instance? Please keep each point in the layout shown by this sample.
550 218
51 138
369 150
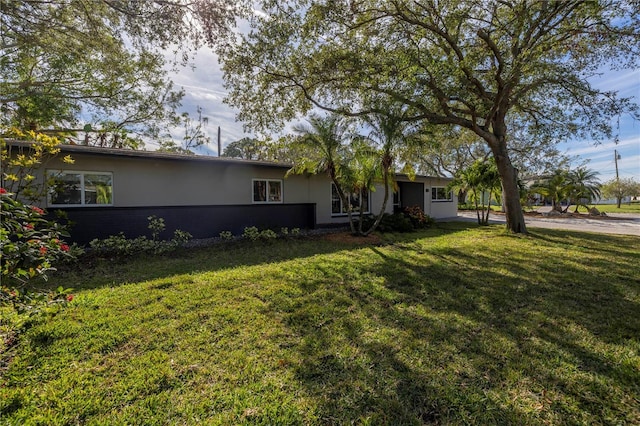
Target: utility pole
616 158
220 145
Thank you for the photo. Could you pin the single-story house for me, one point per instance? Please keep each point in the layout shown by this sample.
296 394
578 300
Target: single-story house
108 191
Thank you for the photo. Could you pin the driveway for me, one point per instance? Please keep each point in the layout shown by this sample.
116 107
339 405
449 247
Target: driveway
625 224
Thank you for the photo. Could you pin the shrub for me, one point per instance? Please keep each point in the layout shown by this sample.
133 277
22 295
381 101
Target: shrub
30 244
156 225
180 238
226 235
466 206
418 217
120 245
268 234
251 233
397 222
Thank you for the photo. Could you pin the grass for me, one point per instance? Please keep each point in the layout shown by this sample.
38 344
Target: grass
458 324
613 208
607 208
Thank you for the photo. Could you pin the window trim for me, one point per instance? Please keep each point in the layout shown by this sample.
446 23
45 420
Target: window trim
343 214
268 182
441 200
52 173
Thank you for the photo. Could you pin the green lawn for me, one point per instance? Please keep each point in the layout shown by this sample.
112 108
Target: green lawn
607 208
454 325
613 208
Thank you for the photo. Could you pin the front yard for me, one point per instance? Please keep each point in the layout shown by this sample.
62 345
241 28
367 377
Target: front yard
457 324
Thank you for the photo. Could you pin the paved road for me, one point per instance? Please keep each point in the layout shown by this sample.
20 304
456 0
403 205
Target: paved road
627 224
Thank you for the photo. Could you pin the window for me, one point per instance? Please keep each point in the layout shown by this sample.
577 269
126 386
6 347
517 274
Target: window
267 191
71 188
336 203
440 194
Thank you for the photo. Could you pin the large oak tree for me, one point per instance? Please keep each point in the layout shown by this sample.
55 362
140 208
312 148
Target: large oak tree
472 64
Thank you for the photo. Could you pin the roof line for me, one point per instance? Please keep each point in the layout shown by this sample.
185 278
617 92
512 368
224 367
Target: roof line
170 156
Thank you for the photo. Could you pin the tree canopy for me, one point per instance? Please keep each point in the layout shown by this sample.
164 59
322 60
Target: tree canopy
97 67
475 64
619 188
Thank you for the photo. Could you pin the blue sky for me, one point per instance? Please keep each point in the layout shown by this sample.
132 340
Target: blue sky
203 87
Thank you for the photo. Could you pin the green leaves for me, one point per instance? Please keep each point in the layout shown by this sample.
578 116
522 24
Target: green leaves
106 60
478 65
29 243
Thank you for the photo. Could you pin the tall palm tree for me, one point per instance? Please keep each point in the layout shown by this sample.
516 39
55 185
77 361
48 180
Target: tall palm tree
325 145
388 132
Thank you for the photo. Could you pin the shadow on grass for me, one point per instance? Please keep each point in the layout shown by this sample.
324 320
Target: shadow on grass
452 325
94 272
483 337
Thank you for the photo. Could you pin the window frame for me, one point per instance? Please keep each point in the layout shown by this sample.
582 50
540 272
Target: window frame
267 191
343 212
441 200
52 174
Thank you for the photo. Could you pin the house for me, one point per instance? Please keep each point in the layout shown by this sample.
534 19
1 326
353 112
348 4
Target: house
108 191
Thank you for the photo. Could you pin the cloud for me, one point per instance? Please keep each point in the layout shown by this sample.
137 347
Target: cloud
601 158
202 82
625 82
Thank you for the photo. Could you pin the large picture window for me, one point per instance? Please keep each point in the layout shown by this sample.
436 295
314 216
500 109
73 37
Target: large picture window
72 188
439 193
337 206
267 191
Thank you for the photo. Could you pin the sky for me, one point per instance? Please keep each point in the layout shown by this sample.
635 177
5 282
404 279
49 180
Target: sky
203 87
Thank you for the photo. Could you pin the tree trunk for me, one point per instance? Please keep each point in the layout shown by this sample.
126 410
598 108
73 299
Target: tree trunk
509 180
384 204
342 195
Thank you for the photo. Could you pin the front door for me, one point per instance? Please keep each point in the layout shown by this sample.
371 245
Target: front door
409 194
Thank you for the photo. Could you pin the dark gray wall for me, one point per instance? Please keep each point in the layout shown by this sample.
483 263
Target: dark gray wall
200 221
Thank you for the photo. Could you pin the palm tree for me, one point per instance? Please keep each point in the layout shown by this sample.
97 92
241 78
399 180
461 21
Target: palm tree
361 176
324 141
388 131
585 186
478 180
557 187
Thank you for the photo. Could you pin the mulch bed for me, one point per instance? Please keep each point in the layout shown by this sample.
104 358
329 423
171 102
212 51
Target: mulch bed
569 215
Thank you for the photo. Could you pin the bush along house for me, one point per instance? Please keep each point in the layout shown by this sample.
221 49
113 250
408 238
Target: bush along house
109 191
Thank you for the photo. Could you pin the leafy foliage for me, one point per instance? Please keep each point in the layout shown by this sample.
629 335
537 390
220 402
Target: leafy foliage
20 163
120 245
105 59
419 219
31 244
620 188
246 149
325 144
585 186
479 183
579 186
473 64
30 248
